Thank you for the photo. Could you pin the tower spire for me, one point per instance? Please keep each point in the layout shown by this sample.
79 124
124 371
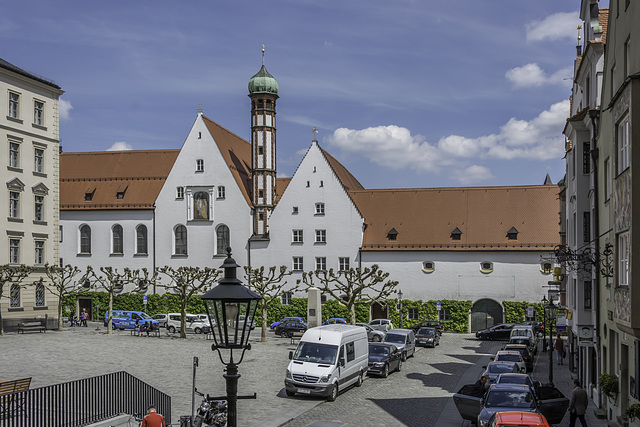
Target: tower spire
263 55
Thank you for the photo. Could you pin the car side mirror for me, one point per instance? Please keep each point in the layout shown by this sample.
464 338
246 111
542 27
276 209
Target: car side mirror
342 363
290 355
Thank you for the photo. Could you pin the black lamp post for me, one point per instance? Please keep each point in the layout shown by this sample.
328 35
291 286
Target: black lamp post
231 307
551 311
544 301
400 306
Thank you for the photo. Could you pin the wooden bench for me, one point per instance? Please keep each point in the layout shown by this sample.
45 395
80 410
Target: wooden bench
31 326
296 336
11 403
152 332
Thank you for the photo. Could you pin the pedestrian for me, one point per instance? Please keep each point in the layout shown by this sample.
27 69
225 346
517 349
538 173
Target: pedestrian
72 316
153 419
558 346
578 404
86 317
482 383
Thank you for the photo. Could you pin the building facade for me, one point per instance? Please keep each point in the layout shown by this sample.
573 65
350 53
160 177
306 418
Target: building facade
29 130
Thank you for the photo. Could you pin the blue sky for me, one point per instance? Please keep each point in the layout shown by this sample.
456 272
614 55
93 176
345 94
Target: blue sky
405 93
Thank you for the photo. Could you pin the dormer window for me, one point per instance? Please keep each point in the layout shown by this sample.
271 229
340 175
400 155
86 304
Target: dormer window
512 234
486 267
88 194
120 192
456 234
392 234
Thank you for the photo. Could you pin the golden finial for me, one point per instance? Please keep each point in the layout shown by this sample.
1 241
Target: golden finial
315 133
263 55
579 37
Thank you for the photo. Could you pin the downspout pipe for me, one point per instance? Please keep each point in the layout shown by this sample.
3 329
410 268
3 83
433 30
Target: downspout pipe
594 115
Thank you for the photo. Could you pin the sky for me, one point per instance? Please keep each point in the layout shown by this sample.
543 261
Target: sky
404 93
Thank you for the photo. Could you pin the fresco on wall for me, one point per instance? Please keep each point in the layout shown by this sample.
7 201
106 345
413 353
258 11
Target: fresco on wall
623 305
622 201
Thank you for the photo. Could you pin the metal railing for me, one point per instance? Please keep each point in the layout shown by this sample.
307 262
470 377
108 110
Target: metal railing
82 402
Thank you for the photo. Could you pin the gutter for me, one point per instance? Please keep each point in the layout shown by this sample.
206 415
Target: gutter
594 115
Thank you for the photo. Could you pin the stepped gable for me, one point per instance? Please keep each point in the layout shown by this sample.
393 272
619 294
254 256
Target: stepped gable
93 180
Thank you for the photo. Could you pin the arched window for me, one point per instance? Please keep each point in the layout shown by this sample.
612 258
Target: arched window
116 239
14 296
222 238
85 239
180 240
201 205
141 239
40 295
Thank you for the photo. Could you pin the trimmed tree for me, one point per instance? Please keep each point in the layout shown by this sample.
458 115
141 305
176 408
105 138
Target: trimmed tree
113 282
269 286
353 286
61 284
12 275
185 282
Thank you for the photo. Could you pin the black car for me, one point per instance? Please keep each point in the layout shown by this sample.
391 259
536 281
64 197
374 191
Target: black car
429 324
498 332
427 337
384 358
286 329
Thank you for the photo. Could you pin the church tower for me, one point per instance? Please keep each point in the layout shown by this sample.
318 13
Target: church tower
263 92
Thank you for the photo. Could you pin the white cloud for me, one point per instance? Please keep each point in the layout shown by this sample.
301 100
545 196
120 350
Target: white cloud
561 25
120 146
65 109
531 75
394 147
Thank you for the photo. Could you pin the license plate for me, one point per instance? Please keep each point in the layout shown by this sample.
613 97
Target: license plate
304 391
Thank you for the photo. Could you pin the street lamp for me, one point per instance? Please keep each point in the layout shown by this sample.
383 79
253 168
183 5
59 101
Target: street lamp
230 308
544 301
400 306
550 312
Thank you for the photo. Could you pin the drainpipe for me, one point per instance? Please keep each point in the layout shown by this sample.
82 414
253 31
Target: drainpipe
594 115
154 248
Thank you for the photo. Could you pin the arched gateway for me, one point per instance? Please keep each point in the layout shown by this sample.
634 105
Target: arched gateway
485 313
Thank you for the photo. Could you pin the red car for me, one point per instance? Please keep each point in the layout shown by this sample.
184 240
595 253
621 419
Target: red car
517 418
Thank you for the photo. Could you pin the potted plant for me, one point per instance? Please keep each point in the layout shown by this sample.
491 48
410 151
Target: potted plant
633 412
608 385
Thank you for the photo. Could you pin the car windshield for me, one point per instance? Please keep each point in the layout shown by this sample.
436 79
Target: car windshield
508 358
427 332
145 316
499 368
512 399
520 332
317 353
394 338
513 379
520 341
192 319
379 350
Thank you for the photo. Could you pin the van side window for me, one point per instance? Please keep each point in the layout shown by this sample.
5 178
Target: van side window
351 351
135 316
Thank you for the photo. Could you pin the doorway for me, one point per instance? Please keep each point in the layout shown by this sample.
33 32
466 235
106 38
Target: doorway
485 314
85 303
379 311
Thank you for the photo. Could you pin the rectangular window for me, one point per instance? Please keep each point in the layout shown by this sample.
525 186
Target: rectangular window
179 192
14 296
586 159
38 160
586 226
14 204
39 253
39 208
14 105
221 192
623 259
297 236
412 313
199 165
321 236
622 139
343 263
14 251
298 264
14 154
607 178
351 351
38 112
321 263
443 314
40 295
587 295
286 298
319 208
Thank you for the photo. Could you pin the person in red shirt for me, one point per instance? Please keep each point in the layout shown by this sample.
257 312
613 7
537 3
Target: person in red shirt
153 419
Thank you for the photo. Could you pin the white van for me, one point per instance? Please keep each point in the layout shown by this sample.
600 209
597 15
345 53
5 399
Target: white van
328 359
521 331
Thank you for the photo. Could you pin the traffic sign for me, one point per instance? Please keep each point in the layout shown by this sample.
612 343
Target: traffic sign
144 300
438 305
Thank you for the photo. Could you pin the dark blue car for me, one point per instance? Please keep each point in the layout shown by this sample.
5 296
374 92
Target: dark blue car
384 358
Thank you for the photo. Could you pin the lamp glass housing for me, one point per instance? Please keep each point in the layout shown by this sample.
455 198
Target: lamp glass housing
231 321
551 311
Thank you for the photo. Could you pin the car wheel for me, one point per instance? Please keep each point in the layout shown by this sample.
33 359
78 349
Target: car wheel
399 366
334 393
171 329
385 371
376 338
360 379
113 326
404 357
197 330
288 334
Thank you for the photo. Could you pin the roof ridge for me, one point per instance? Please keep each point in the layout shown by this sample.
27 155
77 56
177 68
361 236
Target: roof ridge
480 188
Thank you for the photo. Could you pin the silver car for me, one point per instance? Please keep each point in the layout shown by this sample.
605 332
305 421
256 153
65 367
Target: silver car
373 335
381 324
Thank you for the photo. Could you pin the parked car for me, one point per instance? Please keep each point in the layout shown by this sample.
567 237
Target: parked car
297 319
513 378
287 328
335 321
428 337
404 339
497 332
192 324
524 352
372 334
161 318
526 332
517 418
524 341
475 406
384 358
252 324
435 324
205 318
381 324
493 369
511 356
538 327
126 319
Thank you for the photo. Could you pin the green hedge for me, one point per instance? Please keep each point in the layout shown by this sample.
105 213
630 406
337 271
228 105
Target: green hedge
458 313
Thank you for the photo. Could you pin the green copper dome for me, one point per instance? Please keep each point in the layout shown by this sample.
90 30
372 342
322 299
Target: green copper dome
263 82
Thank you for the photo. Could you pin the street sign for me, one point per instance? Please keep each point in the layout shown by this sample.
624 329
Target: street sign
530 311
438 305
144 300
